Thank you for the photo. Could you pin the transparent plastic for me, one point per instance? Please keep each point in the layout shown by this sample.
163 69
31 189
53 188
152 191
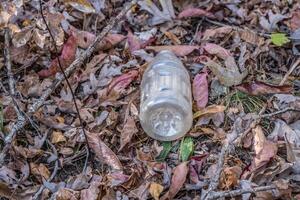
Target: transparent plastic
166 99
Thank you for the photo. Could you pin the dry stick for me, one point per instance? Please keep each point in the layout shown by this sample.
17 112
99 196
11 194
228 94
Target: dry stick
290 71
69 86
279 112
238 192
59 79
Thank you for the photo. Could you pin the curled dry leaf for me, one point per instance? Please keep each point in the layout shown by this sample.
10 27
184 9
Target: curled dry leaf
178 50
264 149
128 131
200 90
230 177
177 181
103 152
195 12
217 50
217 32
260 88
66 58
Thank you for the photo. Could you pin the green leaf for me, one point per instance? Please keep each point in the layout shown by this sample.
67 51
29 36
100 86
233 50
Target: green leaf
186 148
279 39
167 146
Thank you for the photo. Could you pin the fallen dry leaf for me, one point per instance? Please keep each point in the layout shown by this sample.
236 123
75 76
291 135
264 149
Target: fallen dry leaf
230 177
177 181
103 152
217 32
195 12
212 109
92 192
128 131
217 50
260 88
81 5
57 137
178 50
264 150
295 20
39 170
200 90
155 190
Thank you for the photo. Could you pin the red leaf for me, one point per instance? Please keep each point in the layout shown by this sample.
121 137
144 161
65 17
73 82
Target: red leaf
217 50
177 181
200 90
260 88
103 152
66 58
179 50
119 83
195 12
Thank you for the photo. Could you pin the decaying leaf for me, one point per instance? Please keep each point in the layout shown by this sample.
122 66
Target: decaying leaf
195 12
93 191
103 152
230 177
200 90
128 131
155 190
264 149
177 181
178 50
40 170
167 13
260 88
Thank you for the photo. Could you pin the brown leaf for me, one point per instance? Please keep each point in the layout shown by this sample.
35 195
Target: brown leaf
230 177
251 37
264 150
217 50
57 137
260 88
103 152
133 42
27 152
178 50
128 131
295 20
81 5
40 170
217 32
67 194
212 109
195 12
200 90
177 181
155 190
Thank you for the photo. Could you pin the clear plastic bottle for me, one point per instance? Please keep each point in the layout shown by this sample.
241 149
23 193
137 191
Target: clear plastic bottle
166 99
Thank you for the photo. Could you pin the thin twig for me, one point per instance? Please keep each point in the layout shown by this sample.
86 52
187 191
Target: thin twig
290 71
69 86
60 78
279 112
238 192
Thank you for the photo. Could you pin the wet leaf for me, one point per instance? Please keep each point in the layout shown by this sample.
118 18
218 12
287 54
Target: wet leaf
155 190
178 179
128 131
167 13
260 88
103 152
279 39
209 110
167 146
57 137
178 50
195 12
81 5
200 90
186 148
